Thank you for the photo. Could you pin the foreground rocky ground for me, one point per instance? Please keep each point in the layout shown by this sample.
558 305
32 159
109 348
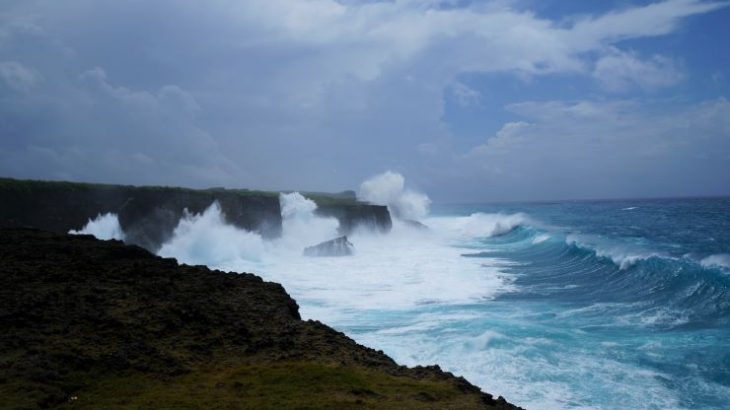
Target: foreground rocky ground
88 324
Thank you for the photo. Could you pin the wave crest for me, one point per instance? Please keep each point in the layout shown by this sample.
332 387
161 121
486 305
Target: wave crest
718 260
479 225
621 255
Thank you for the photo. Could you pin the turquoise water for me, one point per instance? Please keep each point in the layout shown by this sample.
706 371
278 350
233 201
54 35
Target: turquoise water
561 305
612 303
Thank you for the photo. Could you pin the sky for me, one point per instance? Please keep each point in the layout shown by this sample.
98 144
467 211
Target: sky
468 100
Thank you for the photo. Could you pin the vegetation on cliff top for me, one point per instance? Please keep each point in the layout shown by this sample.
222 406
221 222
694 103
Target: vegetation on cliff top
88 324
148 215
29 186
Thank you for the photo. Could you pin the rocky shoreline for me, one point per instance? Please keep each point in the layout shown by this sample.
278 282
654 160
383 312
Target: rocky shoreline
88 324
149 214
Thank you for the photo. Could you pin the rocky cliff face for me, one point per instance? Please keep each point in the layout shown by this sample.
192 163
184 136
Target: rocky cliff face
88 324
148 215
353 215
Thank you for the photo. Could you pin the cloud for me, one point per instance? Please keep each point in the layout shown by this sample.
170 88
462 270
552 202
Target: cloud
608 148
279 94
17 76
654 19
62 124
464 95
620 71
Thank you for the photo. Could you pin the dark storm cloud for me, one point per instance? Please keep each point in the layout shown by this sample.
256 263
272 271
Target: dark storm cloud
287 94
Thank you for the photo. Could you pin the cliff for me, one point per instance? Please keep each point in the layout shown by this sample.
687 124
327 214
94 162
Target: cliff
148 215
88 324
353 215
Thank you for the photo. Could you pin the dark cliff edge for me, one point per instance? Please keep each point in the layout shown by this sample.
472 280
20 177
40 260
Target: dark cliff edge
351 216
89 324
148 215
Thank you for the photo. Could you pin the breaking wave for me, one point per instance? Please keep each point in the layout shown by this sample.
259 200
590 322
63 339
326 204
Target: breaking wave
548 316
478 225
657 289
206 239
721 260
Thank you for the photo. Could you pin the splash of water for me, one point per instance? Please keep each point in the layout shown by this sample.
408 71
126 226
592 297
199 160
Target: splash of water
411 294
103 227
389 189
206 239
301 227
720 260
478 225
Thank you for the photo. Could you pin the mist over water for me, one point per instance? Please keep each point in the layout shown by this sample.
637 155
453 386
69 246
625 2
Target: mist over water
554 306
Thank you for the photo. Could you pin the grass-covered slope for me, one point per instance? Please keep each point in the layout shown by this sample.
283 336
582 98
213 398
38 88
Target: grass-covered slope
88 324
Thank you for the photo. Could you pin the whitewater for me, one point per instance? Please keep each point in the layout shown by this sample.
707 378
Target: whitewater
580 305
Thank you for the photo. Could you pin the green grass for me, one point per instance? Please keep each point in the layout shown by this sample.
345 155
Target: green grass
33 185
280 385
29 186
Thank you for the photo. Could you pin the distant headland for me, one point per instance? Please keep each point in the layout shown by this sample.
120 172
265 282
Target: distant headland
148 214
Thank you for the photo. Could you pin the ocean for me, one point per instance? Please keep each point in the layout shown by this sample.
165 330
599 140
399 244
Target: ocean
554 305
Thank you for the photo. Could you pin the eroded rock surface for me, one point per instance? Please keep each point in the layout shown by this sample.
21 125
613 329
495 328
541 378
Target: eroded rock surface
88 324
334 247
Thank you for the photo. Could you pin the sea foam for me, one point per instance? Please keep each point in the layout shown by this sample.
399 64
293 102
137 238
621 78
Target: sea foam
720 260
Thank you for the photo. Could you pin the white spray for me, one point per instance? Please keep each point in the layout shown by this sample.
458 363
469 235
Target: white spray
301 227
103 227
205 239
389 189
403 273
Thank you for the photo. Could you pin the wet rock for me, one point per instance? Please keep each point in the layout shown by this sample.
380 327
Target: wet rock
334 247
415 224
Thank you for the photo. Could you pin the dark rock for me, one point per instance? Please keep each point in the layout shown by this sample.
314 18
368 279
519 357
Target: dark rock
334 247
415 224
147 215
374 217
75 308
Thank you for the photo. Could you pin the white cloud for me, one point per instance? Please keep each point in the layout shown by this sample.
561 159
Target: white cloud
169 98
654 19
313 94
609 148
621 71
464 95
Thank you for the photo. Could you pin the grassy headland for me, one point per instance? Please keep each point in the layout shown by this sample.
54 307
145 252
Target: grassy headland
148 215
88 324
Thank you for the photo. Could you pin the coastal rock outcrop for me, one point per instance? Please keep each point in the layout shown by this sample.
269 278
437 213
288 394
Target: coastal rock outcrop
412 223
352 216
334 247
88 324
